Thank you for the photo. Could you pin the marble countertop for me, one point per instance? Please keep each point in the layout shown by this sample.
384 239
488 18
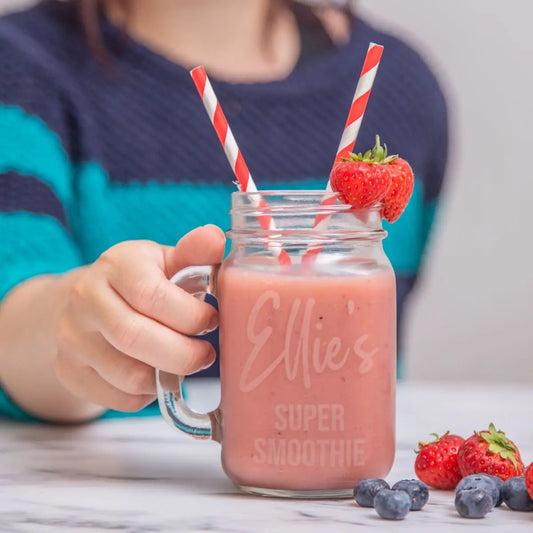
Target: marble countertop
138 475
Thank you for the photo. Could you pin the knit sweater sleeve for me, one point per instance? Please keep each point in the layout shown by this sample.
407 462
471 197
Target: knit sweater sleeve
37 198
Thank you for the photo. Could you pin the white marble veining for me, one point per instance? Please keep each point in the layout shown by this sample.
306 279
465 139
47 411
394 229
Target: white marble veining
137 475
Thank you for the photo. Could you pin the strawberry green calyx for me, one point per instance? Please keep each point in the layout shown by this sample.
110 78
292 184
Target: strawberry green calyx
436 436
499 443
378 154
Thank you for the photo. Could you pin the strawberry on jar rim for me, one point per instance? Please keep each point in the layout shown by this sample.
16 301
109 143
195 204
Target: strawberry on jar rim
490 452
364 180
436 461
400 191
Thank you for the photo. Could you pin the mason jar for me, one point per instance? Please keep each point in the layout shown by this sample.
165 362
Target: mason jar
307 333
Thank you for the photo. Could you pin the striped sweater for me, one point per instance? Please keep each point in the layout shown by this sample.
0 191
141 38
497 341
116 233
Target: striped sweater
89 158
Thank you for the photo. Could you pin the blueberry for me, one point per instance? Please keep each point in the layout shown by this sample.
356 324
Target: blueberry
515 494
392 504
417 490
473 503
499 485
366 489
491 484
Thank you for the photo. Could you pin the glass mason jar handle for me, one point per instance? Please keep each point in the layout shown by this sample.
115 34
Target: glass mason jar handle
198 281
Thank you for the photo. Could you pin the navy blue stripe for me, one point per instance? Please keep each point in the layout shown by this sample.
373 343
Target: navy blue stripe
26 193
436 169
33 80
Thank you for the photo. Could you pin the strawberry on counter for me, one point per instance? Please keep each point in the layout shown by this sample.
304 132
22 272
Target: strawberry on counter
490 452
436 461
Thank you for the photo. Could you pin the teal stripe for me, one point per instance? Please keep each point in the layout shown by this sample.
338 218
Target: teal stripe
310 184
164 212
149 410
9 409
30 245
405 242
30 147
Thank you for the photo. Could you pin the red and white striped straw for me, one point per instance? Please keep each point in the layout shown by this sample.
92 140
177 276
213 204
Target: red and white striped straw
360 101
245 182
352 126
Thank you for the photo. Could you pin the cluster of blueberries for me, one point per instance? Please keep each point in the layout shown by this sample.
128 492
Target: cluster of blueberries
475 496
391 503
478 494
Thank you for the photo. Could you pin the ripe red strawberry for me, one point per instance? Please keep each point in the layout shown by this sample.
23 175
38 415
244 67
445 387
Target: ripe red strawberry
400 191
490 452
436 462
363 180
529 480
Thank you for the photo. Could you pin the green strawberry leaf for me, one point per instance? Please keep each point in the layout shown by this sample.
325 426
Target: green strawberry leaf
378 154
499 444
436 436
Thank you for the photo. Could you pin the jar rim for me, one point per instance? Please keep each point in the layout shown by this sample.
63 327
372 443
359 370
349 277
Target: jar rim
266 236
292 192
284 192
298 214
239 199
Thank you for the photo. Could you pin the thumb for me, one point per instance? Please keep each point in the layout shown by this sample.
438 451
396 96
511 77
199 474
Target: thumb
201 246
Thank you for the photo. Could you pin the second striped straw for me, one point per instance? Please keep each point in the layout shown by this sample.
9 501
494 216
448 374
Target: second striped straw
359 102
351 128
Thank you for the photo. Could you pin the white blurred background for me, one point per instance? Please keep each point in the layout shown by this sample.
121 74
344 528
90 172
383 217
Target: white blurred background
472 315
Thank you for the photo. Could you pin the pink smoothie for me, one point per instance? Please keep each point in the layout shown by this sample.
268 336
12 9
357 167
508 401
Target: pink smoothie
308 377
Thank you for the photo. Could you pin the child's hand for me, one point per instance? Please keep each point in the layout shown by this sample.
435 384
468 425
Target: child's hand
124 318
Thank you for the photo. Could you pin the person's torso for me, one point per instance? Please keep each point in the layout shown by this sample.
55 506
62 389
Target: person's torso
147 162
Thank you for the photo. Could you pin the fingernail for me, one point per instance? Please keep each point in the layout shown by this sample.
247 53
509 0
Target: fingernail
205 367
213 323
210 359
